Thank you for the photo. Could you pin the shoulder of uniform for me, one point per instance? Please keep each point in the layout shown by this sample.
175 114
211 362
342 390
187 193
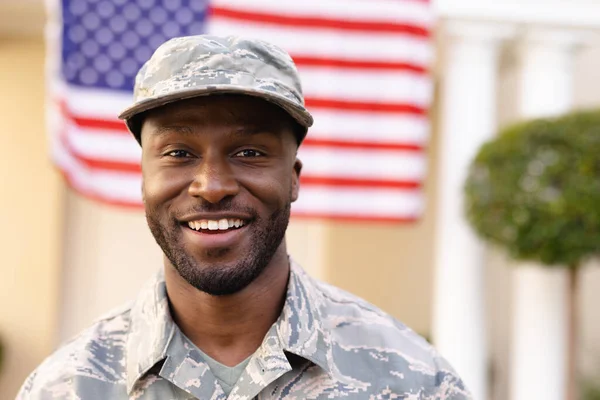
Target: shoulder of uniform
96 352
353 321
363 334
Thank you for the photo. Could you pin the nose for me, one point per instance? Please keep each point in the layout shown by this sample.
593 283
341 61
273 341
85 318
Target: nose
214 180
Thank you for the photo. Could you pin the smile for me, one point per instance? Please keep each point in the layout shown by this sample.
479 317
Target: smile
215 233
223 224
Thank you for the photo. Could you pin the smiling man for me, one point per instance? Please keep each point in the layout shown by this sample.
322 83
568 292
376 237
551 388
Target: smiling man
231 316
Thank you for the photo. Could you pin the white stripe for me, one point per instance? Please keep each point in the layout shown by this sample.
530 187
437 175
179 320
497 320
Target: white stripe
369 126
390 11
95 103
365 164
360 202
98 144
363 85
332 44
113 186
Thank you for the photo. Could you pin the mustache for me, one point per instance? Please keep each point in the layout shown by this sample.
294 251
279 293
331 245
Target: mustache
224 206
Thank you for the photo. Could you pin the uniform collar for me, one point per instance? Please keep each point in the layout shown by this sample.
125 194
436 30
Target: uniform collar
300 325
298 330
150 331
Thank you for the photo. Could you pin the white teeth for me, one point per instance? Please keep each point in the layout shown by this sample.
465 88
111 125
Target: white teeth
213 225
223 224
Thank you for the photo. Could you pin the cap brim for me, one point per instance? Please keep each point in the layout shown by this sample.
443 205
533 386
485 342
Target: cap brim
299 113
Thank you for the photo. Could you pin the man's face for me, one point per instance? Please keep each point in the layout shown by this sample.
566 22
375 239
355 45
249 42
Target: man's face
219 176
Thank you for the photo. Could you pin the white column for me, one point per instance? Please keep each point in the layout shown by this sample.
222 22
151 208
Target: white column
468 119
539 331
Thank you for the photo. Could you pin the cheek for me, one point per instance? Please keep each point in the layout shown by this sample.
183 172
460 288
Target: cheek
271 189
161 187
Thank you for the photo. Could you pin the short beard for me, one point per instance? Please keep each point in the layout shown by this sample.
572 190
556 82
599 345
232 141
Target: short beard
218 279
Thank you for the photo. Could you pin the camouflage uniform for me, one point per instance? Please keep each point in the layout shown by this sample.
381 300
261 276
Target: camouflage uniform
326 344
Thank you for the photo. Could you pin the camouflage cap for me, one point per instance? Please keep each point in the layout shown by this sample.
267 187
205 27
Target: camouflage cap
202 65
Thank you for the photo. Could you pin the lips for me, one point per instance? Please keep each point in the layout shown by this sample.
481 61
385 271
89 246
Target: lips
213 232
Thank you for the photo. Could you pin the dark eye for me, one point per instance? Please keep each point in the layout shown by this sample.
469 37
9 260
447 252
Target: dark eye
178 154
248 153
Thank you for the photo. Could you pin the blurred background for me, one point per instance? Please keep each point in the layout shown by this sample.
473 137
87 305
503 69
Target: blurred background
74 249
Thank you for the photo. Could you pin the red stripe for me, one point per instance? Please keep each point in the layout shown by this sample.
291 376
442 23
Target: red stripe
318 22
92 123
352 218
112 125
306 61
365 106
397 108
96 197
358 183
107 165
360 145
118 127
100 163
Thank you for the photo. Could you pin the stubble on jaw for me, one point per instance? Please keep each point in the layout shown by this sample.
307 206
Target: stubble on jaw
215 278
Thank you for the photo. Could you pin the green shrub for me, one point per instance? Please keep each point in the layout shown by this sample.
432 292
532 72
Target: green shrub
535 190
591 391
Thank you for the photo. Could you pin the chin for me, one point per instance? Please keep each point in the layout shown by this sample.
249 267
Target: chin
219 273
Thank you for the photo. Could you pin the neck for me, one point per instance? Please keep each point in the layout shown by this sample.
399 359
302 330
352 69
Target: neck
232 327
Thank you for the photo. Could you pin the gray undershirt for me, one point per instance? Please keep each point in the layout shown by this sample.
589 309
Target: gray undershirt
227 376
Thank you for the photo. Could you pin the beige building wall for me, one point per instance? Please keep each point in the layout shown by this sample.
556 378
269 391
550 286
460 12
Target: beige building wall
108 254
30 215
390 265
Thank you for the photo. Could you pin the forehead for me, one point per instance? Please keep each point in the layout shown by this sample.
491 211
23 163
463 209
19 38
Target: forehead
231 110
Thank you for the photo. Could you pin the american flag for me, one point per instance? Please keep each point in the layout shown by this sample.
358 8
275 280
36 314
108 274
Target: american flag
364 65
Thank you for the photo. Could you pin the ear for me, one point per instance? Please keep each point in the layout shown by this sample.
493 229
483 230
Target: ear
143 192
296 179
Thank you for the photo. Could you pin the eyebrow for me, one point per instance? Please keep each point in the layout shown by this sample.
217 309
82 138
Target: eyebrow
166 129
252 130
242 131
